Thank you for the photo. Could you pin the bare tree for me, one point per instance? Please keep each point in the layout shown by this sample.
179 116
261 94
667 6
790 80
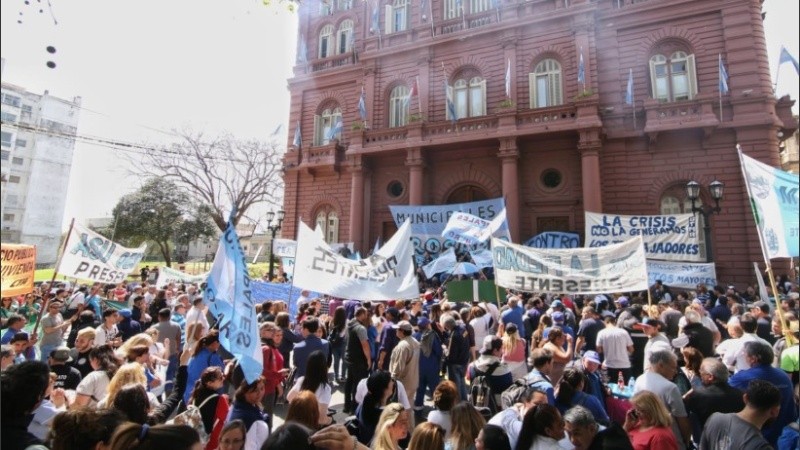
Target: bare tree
220 172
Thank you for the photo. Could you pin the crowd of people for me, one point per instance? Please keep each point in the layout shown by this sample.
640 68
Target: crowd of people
712 368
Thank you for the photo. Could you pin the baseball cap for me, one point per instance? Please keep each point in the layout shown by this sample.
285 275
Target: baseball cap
61 354
126 313
557 304
511 328
423 322
394 312
623 301
405 325
558 317
592 356
491 343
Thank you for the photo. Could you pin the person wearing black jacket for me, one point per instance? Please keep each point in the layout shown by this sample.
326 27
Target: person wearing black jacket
22 389
716 395
696 335
456 354
585 434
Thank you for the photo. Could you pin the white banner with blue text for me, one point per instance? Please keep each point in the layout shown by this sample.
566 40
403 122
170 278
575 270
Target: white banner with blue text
90 256
682 275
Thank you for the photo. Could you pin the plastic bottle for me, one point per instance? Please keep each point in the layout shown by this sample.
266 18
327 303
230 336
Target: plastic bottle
631 384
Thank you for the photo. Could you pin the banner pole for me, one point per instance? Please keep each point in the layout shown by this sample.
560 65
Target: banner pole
784 325
46 296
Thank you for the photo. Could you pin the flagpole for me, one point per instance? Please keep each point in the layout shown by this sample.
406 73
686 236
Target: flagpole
47 295
419 103
719 86
633 104
430 7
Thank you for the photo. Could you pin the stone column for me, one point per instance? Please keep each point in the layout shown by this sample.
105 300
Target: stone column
589 147
415 162
357 202
509 158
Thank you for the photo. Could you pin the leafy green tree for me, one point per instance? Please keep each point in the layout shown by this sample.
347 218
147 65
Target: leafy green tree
161 213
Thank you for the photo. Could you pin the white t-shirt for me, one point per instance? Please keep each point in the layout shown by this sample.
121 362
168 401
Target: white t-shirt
323 392
441 418
615 342
94 385
734 355
481 327
196 315
402 397
101 336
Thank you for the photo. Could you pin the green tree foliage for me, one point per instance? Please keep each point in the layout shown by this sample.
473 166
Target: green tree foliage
160 213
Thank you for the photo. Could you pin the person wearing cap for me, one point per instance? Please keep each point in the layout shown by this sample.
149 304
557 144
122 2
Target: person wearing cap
714 396
489 365
622 303
590 364
695 334
559 320
404 361
127 326
67 377
569 316
430 358
656 340
761 311
616 346
53 328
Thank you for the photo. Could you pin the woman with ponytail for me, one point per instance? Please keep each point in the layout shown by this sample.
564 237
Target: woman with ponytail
213 406
133 436
380 387
542 428
570 393
205 356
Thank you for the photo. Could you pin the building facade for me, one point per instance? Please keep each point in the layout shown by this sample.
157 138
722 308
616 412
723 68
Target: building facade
539 113
38 141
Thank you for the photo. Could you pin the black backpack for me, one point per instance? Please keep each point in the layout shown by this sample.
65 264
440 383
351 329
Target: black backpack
514 393
480 393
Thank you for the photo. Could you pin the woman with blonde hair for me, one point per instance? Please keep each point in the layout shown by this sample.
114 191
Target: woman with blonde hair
392 428
427 436
135 340
514 352
467 424
555 344
130 373
649 423
537 340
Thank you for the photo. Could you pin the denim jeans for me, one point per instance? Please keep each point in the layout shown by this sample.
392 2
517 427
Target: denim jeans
428 380
338 361
456 374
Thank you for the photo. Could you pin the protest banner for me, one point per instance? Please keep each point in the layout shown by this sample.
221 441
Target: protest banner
90 256
613 268
285 292
446 262
482 258
18 266
167 275
284 248
287 265
465 228
682 275
472 291
388 274
774 199
429 221
229 297
554 239
669 237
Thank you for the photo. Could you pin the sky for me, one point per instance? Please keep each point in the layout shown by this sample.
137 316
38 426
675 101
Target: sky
146 67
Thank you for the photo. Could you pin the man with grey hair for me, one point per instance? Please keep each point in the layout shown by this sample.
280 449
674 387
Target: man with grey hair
715 396
586 434
456 353
658 380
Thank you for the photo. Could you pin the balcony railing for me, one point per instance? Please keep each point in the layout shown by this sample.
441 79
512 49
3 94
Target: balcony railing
696 113
319 156
543 116
333 61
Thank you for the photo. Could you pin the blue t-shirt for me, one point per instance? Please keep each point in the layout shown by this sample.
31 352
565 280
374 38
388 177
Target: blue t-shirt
741 380
514 315
589 402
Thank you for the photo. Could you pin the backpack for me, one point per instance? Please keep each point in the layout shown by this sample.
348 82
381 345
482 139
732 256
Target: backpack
480 393
514 393
192 418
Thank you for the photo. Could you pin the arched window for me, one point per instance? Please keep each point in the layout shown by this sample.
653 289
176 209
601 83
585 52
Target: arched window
345 36
325 125
470 97
398 107
453 9
673 78
328 222
671 204
545 84
326 41
477 6
397 16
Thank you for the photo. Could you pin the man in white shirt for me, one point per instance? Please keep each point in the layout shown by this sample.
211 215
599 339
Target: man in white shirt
107 332
194 318
656 339
616 346
735 355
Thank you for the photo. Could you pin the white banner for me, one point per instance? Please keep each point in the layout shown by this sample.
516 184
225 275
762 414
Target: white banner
90 256
288 266
167 275
482 258
446 262
670 237
388 274
682 275
613 268
284 248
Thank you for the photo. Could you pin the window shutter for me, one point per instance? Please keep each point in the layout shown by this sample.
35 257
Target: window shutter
653 79
483 100
317 130
450 95
389 18
691 75
532 90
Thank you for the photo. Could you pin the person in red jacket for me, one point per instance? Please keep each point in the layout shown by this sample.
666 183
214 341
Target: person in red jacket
274 373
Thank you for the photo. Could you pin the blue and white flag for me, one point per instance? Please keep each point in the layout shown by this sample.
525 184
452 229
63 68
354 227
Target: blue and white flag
375 27
508 79
581 71
230 300
302 53
298 138
773 196
336 130
362 104
629 89
451 107
446 262
723 77
482 258
787 57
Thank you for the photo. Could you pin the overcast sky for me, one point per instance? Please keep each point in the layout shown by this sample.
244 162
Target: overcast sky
145 67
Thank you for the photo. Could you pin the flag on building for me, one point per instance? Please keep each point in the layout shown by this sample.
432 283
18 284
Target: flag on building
787 57
723 77
508 79
411 93
451 107
230 300
336 130
362 104
302 53
375 27
298 139
581 71
629 89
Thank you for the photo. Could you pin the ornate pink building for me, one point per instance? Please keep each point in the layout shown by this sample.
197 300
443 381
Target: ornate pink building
555 146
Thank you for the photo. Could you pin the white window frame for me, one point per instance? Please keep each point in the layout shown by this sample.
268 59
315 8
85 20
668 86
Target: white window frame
344 37
451 9
469 97
397 16
665 80
328 221
398 109
326 42
323 123
548 72
479 6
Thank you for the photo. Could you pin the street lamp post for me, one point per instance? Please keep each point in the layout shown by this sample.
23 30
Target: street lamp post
693 192
273 229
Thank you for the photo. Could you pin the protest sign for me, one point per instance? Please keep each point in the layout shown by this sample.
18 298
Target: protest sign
90 256
774 199
429 221
18 266
387 274
554 239
613 268
472 291
682 275
284 248
669 237
285 292
167 275
229 296
287 265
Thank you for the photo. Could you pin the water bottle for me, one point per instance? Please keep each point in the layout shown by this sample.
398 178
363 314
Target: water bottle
621 382
631 384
